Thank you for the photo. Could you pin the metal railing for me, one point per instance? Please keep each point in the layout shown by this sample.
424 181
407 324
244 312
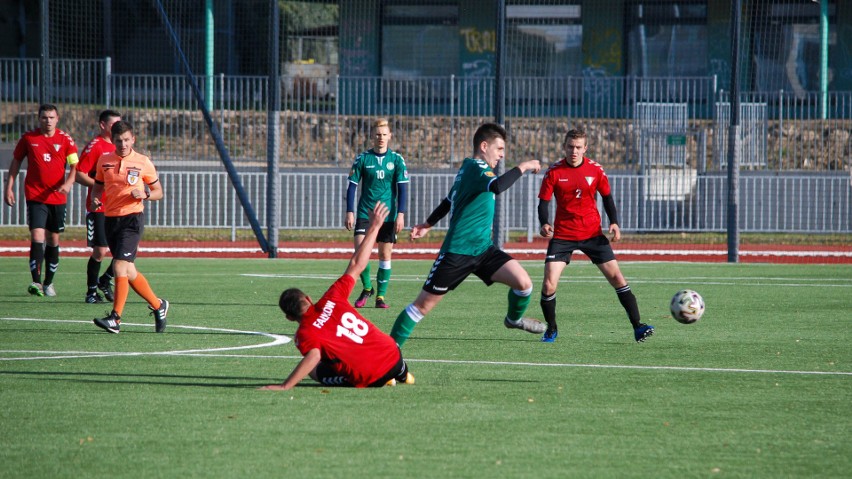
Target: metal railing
661 201
325 120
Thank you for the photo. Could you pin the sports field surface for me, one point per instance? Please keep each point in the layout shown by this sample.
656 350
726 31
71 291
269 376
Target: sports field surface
760 387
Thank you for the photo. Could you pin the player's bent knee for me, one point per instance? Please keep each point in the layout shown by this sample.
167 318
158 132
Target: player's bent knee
523 292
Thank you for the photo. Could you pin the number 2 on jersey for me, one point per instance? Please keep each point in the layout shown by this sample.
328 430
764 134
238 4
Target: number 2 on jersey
353 328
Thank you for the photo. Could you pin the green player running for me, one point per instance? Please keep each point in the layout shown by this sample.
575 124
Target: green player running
468 247
384 178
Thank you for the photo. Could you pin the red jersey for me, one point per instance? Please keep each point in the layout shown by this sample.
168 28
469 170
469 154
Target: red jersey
577 216
361 351
47 157
89 159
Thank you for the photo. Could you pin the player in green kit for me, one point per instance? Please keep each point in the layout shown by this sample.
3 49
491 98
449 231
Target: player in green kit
468 247
383 178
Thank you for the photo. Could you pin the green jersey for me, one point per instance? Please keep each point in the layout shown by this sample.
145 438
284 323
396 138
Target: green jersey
379 176
472 212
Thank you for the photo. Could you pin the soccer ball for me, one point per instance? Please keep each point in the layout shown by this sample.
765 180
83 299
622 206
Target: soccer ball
687 306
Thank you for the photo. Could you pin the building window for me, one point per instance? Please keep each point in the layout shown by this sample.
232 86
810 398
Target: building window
666 39
543 40
787 45
419 40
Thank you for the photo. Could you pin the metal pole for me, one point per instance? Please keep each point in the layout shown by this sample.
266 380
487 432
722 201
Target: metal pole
44 85
452 120
499 228
734 137
108 82
823 59
108 43
210 45
273 180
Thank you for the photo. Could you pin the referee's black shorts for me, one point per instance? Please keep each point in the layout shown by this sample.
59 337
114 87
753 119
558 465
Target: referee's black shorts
123 235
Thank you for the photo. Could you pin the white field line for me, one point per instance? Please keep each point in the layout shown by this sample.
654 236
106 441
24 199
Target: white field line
277 339
280 339
434 251
747 281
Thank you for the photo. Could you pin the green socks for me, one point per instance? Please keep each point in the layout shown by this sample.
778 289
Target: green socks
405 323
518 302
365 278
383 278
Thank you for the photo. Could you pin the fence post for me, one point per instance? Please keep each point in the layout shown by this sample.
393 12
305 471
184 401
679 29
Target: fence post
108 82
337 119
452 120
531 207
233 218
44 90
780 128
273 178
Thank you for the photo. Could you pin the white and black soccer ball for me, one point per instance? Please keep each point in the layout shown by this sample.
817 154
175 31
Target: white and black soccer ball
687 306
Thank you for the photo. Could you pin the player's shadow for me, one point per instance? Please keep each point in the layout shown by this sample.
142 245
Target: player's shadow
148 379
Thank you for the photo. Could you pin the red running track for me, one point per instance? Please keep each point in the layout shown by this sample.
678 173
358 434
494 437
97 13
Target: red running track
625 251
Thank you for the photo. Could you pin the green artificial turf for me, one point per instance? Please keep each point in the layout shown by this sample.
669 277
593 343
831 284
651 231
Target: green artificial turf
760 387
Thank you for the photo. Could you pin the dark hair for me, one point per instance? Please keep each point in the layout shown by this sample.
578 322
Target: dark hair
488 132
120 127
575 134
107 114
47 107
290 302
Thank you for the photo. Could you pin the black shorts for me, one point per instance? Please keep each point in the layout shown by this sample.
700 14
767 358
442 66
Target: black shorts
95 230
450 269
44 216
327 374
387 233
597 249
123 234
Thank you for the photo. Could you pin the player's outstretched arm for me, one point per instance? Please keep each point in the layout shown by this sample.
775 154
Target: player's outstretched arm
305 366
362 255
507 179
419 231
530 165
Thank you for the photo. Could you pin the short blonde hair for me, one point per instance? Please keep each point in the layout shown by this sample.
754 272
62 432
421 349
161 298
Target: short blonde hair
380 123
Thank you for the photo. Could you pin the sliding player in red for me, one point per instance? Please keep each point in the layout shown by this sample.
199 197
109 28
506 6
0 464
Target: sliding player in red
341 347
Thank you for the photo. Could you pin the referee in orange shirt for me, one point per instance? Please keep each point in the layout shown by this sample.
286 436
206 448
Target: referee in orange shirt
121 179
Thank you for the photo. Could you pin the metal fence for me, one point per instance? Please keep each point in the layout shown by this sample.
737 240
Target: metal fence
325 120
661 201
